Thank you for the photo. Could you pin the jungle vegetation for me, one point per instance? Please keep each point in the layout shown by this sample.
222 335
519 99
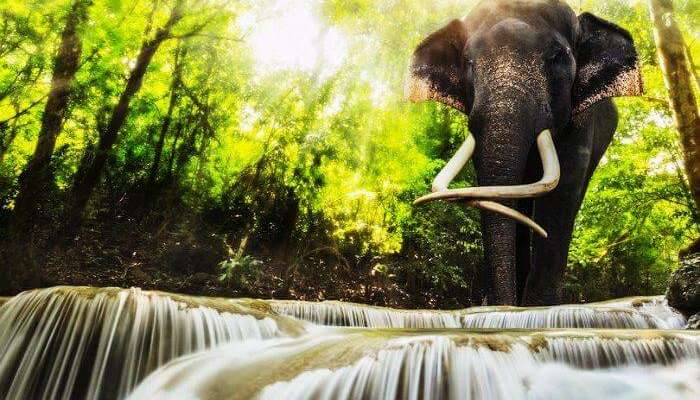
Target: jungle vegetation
264 148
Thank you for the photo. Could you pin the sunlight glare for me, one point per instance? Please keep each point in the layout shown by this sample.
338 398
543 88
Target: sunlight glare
291 36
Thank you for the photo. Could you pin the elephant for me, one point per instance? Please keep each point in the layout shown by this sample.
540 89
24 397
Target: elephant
536 82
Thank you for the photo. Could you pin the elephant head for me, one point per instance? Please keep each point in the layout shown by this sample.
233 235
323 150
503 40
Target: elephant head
522 71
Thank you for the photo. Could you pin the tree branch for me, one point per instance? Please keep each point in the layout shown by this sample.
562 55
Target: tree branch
24 111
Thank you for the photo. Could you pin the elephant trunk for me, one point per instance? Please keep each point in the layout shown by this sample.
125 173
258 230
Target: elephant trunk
505 136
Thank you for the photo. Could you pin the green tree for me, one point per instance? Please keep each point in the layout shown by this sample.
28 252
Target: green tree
673 55
92 165
37 174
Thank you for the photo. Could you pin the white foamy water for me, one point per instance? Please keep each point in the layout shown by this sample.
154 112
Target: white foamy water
99 343
335 313
77 342
451 365
637 313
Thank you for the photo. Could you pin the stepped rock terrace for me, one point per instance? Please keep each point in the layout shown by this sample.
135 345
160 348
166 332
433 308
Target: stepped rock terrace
111 343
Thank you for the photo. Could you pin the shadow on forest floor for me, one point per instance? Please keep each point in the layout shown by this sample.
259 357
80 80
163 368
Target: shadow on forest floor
185 257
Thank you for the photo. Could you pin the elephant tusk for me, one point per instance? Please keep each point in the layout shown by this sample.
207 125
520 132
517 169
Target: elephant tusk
508 212
550 177
456 163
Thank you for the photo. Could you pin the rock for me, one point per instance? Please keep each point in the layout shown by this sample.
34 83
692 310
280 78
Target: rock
683 290
693 322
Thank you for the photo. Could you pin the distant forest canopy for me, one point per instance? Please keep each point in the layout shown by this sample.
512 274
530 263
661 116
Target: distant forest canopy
265 147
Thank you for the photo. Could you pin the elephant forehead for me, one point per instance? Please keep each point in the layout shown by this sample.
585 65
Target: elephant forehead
504 68
543 14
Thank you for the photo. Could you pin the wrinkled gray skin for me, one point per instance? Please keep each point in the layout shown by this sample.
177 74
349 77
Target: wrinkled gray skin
517 68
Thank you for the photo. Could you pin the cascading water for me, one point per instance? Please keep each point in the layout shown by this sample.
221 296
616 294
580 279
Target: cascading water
102 343
446 364
335 313
99 343
633 313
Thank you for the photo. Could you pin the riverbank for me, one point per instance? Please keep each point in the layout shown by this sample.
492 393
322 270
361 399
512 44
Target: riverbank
189 254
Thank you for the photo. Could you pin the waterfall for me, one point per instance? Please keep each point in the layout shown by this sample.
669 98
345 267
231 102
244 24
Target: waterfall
403 364
572 316
655 306
335 313
633 313
99 343
110 343
491 381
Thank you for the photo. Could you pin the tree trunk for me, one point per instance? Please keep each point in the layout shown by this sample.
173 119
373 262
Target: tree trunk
8 138
679 82
180 127
38 174
167 120
90 170
199 176
185 152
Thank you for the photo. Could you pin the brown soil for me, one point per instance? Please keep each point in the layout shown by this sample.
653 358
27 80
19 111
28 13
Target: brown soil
186 260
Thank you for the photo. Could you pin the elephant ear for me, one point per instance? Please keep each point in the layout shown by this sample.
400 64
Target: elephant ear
437 71
607 62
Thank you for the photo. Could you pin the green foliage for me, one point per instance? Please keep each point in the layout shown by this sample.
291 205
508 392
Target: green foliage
240 271
319 149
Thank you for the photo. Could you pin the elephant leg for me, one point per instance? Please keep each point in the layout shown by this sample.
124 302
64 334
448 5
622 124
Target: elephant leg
523 244
556 213
549 258
524 234
580 151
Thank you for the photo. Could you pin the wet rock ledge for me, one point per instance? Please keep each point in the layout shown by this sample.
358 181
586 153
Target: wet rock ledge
683 291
